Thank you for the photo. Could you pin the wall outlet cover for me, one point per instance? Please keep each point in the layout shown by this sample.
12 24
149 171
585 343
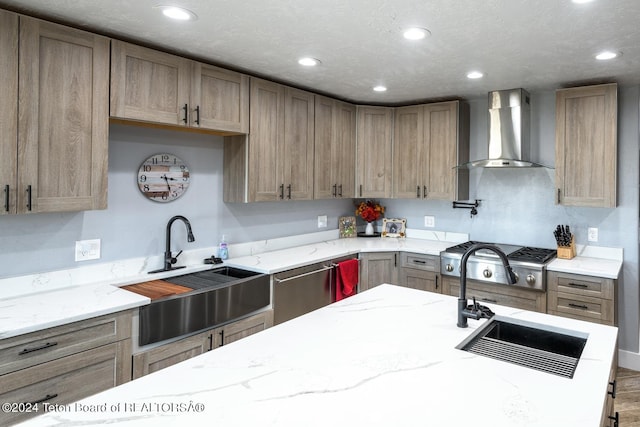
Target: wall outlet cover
87 249
429 221
322 221
592 234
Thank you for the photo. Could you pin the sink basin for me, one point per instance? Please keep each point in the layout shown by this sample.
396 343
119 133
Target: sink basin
211 278
542 347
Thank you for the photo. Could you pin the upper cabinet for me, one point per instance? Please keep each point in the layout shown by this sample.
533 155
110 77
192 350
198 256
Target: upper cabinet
335 149
54 157
275 162
374 148
586 146
156 87
429 141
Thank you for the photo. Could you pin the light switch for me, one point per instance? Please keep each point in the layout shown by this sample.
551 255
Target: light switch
322 221
87 249
592 234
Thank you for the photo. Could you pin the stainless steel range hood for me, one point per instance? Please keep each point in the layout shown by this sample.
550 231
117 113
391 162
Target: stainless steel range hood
509 117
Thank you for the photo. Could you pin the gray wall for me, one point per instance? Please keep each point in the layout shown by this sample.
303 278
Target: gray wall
517 205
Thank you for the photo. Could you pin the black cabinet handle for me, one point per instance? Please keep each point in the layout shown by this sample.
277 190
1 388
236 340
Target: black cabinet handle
6 198
489 300
616 419
42 347
44 399
221 338
577 285
29 197
340 190
613 388
197 115
281 191
289 191
418 191
335 190
186 113
424 192
436 282
360 190
581 307
418 261
558 196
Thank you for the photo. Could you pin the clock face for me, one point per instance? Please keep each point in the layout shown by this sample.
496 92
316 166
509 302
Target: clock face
163 177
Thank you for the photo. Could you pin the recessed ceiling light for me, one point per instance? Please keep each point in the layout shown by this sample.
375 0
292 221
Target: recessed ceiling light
475 75
308 61
607 54
581 1
416 33
178 13
380 88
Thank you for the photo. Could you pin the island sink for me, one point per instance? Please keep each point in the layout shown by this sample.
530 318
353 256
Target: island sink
552 350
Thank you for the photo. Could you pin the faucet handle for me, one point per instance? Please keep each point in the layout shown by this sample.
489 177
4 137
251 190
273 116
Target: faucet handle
174 259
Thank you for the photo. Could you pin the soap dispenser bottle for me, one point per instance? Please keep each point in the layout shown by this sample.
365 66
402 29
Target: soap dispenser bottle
223 250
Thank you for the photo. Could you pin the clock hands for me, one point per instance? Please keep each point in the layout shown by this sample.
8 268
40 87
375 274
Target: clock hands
166 179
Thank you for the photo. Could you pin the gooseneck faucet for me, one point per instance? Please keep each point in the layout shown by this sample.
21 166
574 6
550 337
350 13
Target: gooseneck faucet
478 311
169 259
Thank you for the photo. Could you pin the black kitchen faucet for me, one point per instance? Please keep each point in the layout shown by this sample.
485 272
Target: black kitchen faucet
169 259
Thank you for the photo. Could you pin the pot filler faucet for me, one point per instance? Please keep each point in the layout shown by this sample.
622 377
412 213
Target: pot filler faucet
169 259
477 311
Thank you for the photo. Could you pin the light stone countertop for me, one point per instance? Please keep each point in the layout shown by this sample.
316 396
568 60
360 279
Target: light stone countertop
591 261
384 357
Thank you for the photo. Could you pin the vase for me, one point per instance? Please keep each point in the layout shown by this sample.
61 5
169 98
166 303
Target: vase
369 229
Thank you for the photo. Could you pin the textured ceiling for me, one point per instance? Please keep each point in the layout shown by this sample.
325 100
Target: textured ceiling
535 44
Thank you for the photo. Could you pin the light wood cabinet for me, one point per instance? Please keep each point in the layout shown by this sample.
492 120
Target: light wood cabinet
374 150
275 162
586 146
611 418
156 87
582 297
66 363
429 141
54 153
377 268
419 271
497 294
335 149
169 354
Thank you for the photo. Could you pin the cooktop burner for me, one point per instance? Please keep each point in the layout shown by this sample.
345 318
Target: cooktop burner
513 252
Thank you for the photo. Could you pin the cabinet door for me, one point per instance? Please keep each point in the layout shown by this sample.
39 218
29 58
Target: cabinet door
265 141
378 268
166 355
374 162
497 294
586 146
242 328
148 85
297 153
418 279
219 99
408 148
345 152
8 111
441 134
64 118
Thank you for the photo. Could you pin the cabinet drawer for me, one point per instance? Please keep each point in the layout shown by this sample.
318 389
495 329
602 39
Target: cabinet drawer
420 262
581 307
39 347
498 294
597 287
65 380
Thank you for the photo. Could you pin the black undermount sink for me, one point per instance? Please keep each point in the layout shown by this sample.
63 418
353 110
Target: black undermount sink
545 348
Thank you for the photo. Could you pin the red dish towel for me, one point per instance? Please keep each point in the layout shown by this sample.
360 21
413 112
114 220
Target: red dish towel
347 279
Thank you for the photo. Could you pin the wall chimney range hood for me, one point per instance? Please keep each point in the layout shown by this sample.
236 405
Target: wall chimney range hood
509 118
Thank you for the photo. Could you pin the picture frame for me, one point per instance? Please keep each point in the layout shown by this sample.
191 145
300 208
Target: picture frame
347 226
394 227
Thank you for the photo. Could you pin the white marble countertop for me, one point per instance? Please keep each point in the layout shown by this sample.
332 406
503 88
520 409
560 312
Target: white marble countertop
591 261
383 357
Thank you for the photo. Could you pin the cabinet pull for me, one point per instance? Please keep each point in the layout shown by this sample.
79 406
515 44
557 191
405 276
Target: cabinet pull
616 419
281 191
489 300
419 261
210 342
6 198
29 197
395 260
360 190
221 338
424 192
335 190
418 191
340 190
577 285
44 399
186 114
581 307
297 276
613 388
197 115
289 191
436 282
42 347
558 196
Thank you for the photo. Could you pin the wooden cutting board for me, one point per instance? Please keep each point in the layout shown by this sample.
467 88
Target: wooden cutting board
156 289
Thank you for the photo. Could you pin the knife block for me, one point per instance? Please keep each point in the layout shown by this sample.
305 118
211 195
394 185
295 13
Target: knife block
567 252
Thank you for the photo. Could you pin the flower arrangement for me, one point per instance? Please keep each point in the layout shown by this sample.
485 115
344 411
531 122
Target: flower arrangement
370 210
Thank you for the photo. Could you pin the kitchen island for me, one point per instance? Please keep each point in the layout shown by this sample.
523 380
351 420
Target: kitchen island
383 357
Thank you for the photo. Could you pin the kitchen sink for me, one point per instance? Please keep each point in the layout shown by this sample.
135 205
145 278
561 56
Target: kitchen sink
542 347
211 278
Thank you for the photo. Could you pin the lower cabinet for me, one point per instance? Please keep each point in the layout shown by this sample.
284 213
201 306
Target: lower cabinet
174 352
582 297
497 294
420 272
377 268
64 364
610 418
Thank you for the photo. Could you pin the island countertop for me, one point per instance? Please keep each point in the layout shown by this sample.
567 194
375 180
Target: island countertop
383 357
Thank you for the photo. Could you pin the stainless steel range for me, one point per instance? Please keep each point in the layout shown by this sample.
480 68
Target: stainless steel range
528 263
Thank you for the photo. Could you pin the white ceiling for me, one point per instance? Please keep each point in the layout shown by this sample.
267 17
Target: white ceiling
535 44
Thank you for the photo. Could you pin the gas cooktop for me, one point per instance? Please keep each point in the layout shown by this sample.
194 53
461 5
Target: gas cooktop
513 252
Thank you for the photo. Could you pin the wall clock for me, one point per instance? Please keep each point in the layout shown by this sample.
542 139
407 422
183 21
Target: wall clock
163 177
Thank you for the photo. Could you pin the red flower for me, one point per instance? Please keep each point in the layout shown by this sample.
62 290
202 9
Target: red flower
370 210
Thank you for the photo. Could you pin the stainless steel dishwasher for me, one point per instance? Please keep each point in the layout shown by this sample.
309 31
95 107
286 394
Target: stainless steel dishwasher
304 289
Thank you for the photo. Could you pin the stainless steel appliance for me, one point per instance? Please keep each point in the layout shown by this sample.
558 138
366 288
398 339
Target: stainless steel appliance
528 263
304 289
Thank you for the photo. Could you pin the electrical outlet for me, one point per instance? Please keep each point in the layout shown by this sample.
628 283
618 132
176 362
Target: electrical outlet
87 249
322 221
429 221
592 234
